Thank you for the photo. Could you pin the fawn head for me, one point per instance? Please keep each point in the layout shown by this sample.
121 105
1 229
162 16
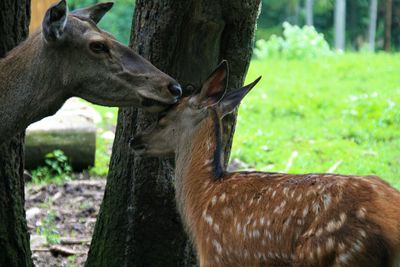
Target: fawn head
95 66
185 117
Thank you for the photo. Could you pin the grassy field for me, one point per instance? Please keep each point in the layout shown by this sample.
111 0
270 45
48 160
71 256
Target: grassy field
339 113
313 116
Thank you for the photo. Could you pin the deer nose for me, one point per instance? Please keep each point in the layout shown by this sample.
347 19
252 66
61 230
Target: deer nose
175 89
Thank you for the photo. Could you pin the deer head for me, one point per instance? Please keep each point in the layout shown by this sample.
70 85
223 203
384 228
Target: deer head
93 65
183 120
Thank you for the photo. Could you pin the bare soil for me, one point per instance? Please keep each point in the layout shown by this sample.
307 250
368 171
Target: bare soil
61 219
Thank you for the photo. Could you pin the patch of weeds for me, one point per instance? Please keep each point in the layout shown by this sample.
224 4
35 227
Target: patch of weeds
71 261
49 230
57 168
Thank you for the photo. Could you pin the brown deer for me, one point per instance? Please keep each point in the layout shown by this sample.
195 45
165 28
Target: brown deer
268 219
70 56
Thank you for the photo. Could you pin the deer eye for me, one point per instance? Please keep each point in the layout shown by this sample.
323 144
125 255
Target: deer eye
99 47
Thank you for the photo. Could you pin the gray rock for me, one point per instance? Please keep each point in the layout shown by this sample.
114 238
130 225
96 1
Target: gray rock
38 241
32 212
72 129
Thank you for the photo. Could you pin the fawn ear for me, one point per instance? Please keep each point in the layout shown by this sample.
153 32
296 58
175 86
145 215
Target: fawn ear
232 99
214 87
54 21
94 12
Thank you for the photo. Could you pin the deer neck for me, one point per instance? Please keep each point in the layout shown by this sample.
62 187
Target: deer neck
198 165
31 86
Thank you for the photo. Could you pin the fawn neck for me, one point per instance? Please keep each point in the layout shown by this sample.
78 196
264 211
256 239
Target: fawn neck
31 86
198 163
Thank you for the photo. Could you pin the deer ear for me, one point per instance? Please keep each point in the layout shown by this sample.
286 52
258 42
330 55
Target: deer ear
54 21
214 87
232 99
94 12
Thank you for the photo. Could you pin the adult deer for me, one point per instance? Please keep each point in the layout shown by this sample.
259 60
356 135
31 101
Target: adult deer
268 219
71 56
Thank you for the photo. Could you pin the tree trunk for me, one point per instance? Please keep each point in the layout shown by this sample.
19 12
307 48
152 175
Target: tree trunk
373 10
309 12
388 25
14 237
138 224
340 24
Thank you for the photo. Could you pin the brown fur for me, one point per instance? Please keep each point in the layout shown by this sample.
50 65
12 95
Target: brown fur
276 219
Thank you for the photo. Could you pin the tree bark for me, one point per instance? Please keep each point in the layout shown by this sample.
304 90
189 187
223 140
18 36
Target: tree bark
309 12
14 237
340 24
138 224
388 25
373 11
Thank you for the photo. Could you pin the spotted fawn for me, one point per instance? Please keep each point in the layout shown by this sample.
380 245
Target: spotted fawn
268 219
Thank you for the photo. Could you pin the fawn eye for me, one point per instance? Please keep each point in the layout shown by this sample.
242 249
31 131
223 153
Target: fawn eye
99 47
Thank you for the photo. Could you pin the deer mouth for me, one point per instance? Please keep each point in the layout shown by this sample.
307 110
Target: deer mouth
148 102
153 105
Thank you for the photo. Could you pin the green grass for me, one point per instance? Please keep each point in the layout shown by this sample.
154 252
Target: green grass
338 109
104 145
341 110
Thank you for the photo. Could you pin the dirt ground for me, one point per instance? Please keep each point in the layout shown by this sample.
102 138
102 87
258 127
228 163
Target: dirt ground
61 219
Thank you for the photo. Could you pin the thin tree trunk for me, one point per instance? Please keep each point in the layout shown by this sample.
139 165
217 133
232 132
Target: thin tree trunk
309 12
373 10
340 24
14 237
388 25
138 224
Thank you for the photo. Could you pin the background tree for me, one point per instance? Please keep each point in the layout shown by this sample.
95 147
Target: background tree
340 24
373 10
14 237
138 224
309 12
388 24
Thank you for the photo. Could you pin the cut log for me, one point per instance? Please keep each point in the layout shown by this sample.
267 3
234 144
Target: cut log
72 129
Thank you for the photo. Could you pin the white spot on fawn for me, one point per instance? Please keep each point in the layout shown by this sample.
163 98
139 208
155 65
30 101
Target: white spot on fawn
327 200
285 191
362 233
238 226
213 200
344 258
305 212
216 228
222 197
330 244
207 162
217 246
207 218
256 234
361 213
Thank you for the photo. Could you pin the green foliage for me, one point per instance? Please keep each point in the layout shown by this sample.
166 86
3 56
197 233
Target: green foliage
57 168
296 43
49 230
340 110
117 21
103 144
